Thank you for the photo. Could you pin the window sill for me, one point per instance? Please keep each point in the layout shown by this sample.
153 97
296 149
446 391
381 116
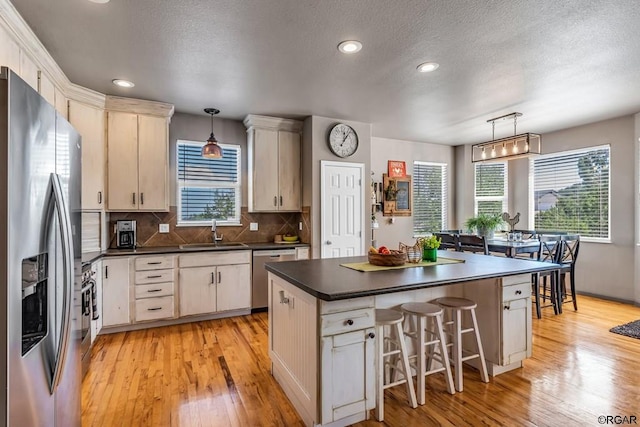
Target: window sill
208 224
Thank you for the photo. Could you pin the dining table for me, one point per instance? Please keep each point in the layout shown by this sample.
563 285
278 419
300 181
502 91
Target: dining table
511 248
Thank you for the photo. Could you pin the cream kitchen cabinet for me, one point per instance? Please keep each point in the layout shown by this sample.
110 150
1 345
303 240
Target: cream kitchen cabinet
274 157
115 292
46 88
137 162
29 70
62 106
89 122
214 282
9 52
504 311
154 287
96 324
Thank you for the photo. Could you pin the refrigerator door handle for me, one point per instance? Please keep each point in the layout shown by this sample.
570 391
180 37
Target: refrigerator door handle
56 203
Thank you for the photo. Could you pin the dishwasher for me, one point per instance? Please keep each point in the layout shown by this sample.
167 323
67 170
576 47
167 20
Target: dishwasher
260 283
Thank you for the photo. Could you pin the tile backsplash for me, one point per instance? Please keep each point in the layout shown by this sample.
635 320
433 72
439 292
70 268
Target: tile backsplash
269 224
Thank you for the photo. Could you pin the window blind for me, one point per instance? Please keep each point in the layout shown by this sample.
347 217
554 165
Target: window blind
208 188
429 197
491 188
571 192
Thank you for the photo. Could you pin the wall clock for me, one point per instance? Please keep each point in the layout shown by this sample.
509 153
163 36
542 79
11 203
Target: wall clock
343 140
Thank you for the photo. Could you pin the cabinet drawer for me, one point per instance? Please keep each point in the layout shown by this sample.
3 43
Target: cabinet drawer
512 280
154 262
517 291
154 308
154 290
217 258
347 321
154 276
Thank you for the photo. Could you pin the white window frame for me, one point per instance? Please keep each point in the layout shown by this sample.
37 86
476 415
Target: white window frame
445 193
569 153
504 199
237 186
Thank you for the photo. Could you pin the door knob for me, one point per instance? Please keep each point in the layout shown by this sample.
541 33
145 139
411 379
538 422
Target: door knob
328 242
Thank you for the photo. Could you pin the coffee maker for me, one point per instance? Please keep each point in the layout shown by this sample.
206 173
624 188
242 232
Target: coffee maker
126 234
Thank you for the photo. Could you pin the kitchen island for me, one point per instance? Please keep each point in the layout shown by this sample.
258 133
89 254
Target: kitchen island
321 323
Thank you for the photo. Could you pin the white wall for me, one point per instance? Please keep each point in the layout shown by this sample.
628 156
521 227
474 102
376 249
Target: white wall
636 143
382 150
605 269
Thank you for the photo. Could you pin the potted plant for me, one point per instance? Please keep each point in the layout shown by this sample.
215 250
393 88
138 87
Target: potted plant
484 224
430 247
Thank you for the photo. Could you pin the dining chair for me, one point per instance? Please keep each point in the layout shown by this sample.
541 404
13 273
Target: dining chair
472 243
527 234
549 250
448 240
568 258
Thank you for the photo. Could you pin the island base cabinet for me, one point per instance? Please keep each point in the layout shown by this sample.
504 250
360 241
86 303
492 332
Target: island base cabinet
348 372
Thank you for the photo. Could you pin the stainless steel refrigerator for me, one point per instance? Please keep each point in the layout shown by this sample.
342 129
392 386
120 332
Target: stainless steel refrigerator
40 263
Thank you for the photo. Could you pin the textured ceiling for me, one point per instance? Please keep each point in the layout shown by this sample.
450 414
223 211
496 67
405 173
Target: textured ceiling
560 63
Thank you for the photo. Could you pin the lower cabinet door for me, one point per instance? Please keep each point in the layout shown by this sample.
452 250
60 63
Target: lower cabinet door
516 330
197 290
347 374
234 287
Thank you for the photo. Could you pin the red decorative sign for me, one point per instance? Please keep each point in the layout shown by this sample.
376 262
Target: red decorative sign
397 169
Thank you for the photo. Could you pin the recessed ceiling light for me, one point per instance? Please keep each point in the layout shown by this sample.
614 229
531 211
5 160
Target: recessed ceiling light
99 1
350 46
123 83
427 67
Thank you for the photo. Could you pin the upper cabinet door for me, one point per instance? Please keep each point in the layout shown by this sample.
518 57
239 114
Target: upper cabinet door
63 108
89 122
122 161
46 89
289 177
153 159
28 70
264 152
9 52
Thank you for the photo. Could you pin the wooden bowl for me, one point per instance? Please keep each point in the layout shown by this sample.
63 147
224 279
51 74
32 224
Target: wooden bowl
393 259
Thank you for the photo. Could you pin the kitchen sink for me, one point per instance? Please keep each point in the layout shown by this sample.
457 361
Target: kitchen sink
219 245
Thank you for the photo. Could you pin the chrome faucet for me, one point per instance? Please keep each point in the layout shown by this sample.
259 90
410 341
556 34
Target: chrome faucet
215 236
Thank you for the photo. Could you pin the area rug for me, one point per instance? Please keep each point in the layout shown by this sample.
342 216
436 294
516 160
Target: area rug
631 329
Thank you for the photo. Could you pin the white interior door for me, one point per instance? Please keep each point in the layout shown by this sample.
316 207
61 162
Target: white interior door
342 201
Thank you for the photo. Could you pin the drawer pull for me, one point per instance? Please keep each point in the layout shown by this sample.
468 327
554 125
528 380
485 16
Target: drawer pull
154 263
219 277
506 307
154 290
154 277
518 292
154 309
349 322
372 335
275 200
213 278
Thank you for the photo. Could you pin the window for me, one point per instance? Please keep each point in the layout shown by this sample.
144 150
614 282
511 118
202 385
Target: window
570 192
491 188
429 197
208 188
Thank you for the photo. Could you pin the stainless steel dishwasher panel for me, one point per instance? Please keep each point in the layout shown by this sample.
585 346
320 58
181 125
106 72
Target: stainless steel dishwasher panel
260 284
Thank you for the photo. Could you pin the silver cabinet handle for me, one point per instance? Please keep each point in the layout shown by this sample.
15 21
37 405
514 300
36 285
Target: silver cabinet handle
275 200
99 197
106 271
213 278
280 200
134 198
142 198
219 277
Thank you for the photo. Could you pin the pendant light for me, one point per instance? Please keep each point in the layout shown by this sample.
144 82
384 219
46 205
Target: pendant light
523 145
211 149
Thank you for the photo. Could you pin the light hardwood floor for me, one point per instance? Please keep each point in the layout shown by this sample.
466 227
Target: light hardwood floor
216 373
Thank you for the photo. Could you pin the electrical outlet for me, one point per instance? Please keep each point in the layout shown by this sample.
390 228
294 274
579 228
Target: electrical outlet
253 226
300 225
164 228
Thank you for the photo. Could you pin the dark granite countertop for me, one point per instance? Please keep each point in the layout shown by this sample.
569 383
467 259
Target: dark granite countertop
327 280
88 257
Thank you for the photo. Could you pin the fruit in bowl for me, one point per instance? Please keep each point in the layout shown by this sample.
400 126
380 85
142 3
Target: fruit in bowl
385 257
290 238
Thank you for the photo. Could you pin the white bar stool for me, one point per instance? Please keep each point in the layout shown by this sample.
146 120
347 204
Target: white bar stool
428 336
387 347
456 306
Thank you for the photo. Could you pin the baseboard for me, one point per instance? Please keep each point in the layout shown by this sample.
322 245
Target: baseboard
608 298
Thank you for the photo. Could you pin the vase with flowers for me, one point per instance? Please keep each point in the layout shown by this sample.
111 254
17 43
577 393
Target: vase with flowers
430 245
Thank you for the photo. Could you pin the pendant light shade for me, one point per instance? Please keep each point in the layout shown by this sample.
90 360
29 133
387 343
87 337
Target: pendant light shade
211 149
512 147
